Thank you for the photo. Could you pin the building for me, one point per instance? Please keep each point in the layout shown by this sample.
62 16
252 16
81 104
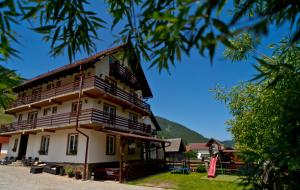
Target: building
87 115
175 149
215 146
200 148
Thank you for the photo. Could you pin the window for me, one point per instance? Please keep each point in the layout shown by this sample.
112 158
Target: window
47 111
133 119
32 118
77 81
74 107
72 144
110 144
58 83
110 113
54 110
22 95
44 145
131 146
20 118
14 149
49 86
111 86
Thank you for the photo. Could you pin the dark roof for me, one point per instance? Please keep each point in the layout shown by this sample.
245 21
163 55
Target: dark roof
86 63
174 145
214 141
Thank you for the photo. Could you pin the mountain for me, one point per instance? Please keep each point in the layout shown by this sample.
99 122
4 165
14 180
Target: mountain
172 129
228 143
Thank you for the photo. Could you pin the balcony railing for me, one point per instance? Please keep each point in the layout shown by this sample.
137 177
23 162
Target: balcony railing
124 74
94 116
92 81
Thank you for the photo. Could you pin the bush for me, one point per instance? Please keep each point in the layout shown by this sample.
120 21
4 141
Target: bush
201 168
70 173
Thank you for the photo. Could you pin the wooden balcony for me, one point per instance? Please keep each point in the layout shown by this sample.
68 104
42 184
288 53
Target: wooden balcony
93 86
89 118
124 74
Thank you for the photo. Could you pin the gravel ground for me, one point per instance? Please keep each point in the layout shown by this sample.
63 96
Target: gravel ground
19 178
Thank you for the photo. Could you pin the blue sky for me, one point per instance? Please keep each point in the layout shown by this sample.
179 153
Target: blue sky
183 95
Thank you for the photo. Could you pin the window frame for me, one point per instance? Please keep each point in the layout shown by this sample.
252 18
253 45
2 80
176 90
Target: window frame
73 112
54 109
46 111
107 145
74 151
16 143
131 151
44 146
20 118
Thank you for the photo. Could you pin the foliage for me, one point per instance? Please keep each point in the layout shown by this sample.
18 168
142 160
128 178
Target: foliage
5 118
175 130
266 118
195 180
70 172
160 31
190 154
8 79
201 168
244 43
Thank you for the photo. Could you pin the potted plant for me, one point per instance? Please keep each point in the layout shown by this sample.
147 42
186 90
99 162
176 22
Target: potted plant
62 172
73 152
78 175
70 173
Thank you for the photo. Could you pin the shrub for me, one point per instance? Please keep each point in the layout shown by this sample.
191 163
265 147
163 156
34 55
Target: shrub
70 172
201 168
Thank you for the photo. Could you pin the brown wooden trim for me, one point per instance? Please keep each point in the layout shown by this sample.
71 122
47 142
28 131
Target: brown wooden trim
49 130
94 117
55 101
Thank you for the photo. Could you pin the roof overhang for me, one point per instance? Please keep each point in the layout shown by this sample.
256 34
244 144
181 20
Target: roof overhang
135 136
87 63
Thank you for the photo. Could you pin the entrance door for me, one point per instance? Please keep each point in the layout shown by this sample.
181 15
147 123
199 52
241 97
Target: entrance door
32 118
23 147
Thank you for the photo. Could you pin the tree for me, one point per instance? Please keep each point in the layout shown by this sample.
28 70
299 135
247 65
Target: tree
160 31
9 79
266 118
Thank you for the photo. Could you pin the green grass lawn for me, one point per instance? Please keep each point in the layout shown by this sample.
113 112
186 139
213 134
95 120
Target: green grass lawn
193 181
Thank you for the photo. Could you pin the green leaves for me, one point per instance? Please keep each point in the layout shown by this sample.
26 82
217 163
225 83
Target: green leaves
8 79
68 25
161 31
266 117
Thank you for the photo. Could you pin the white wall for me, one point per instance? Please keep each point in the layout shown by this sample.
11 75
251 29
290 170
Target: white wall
57 147
11 145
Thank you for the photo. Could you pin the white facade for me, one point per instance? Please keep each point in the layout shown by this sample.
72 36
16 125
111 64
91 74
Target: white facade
58 138
58 148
